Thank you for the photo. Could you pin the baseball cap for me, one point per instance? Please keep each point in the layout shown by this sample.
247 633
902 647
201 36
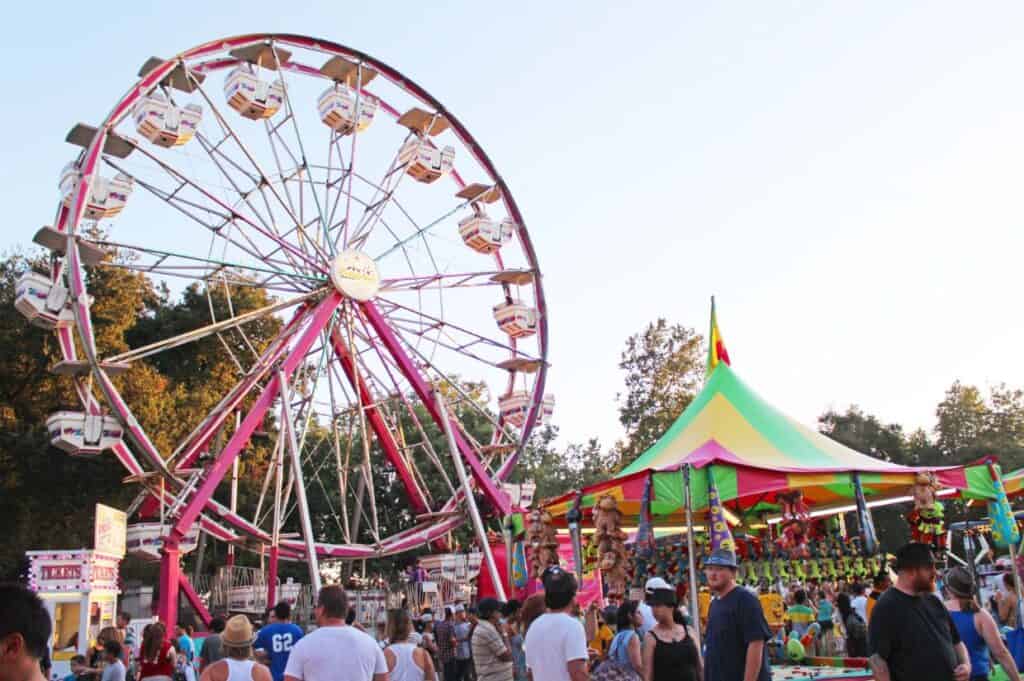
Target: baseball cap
655 583
721 558
661 597
459 608
427 617
914 555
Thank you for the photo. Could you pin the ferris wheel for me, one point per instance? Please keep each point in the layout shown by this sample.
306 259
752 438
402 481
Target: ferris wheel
393 259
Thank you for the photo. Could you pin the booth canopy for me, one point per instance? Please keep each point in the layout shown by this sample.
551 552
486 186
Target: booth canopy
754 451
1014 483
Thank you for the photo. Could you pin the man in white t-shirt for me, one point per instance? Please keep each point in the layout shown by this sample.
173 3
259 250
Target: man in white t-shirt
556 645
335 651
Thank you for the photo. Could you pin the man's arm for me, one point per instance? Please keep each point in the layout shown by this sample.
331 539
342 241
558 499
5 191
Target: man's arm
879 668
755 654
577 670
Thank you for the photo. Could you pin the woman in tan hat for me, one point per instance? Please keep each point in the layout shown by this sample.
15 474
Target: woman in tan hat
976 627
237 664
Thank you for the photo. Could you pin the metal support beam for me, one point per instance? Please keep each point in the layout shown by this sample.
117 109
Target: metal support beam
474 512
300 485
425 392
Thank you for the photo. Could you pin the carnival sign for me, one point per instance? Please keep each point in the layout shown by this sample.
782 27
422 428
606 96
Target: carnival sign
111 531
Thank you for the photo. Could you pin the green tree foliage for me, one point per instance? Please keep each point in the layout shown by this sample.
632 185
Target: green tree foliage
664 370
46 496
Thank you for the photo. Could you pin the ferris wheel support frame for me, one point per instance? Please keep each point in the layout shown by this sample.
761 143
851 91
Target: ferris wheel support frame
167 606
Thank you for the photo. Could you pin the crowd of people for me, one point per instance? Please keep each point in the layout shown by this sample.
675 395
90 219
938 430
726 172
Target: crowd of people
904 627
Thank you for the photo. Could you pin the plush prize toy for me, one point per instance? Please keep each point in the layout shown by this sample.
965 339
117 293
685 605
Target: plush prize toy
927 525
610 541
794 525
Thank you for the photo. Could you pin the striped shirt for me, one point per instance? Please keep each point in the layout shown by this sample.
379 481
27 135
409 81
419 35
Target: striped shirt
488 644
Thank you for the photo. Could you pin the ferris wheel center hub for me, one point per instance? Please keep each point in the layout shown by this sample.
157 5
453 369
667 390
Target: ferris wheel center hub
355 275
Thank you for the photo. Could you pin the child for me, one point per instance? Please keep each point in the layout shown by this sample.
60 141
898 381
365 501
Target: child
78 669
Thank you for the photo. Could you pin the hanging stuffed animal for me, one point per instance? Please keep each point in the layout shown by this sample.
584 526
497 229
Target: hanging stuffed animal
543 541
610 541
794 525
926 521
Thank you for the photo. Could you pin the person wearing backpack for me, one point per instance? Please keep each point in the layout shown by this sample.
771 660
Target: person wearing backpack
855 626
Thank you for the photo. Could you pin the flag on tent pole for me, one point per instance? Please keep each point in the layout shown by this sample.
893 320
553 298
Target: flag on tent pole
721 535
716 345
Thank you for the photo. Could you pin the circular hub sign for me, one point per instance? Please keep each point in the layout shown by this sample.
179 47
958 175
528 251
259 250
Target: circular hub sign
355 274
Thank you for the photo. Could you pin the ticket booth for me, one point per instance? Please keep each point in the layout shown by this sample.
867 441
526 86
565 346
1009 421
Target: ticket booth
79 589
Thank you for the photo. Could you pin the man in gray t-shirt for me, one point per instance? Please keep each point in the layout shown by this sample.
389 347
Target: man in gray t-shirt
115 670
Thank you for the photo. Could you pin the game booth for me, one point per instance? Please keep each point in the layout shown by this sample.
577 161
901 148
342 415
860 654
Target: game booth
79 588
732 471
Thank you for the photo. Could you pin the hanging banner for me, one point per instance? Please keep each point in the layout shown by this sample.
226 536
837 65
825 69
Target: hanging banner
866 524
1004 527
721 535
111 531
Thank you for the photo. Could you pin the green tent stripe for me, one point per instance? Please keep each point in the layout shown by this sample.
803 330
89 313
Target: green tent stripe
979 483
726 482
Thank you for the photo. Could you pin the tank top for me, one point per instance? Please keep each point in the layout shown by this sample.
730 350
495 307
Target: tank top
406 668
977 649
674 660
161 666
239 670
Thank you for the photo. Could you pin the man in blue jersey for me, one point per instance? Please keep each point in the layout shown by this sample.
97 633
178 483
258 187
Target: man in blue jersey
275 640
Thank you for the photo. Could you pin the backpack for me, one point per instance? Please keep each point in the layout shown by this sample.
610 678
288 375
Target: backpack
856 627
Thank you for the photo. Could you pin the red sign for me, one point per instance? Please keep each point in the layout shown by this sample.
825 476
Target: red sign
104 573
61 572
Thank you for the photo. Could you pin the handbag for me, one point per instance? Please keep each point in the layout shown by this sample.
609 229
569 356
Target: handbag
614 670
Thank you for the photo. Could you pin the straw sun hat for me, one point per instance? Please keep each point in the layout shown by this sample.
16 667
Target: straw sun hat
238 632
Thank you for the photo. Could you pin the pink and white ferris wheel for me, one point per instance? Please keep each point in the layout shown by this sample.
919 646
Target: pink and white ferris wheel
396 257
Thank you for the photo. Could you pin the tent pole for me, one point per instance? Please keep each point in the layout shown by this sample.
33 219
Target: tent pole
692 558
574 517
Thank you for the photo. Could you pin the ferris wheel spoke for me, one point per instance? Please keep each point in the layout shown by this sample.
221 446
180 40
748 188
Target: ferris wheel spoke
169 260
425 393
264 184
235 216
304 165
501 431
420 232
380 428
450 280
387 363
203 332
420 323
379 201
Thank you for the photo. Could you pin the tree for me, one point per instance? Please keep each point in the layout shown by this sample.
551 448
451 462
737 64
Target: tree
962 418
866 434
664 368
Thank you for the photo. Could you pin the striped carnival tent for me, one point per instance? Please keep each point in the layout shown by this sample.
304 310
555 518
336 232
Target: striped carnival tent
753 452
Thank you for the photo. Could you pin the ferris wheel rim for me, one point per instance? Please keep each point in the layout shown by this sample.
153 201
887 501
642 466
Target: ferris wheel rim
69 220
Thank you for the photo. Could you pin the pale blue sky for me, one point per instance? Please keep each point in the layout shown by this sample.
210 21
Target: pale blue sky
844 177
